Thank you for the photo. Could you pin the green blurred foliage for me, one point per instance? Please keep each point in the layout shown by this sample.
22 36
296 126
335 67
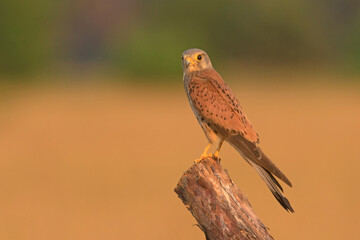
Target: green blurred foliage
149 37
352 46
26 35
235 30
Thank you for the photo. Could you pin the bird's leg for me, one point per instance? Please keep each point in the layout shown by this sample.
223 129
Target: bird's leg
205 155
216 154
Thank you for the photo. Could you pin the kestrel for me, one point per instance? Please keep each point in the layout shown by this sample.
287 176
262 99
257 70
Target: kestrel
220 115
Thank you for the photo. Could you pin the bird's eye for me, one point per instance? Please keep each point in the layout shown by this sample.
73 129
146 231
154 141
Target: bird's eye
182 57
199 57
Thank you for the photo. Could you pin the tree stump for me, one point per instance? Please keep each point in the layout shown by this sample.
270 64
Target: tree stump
221 210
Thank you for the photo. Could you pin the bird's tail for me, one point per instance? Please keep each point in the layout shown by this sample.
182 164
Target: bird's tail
265 168
273 185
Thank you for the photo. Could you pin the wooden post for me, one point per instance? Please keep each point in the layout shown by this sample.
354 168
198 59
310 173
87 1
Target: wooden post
221 210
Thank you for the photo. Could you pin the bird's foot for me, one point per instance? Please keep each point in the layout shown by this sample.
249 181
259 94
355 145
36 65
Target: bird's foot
216 156
204 156
213 156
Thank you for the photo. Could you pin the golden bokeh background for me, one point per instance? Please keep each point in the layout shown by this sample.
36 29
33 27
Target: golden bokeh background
96 129
101 161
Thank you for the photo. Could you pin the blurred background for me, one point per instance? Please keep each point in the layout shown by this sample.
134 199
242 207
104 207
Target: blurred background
96 130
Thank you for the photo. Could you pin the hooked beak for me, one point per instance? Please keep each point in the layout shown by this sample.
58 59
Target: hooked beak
189 61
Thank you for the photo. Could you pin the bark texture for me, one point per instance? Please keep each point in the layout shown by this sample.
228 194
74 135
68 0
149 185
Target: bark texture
221 210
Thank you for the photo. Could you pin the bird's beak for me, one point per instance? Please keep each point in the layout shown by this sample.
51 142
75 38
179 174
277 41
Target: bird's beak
189 61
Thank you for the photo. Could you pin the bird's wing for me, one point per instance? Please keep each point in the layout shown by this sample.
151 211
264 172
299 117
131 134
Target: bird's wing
213 99
257 156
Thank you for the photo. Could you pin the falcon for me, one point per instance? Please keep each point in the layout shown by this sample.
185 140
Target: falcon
221 117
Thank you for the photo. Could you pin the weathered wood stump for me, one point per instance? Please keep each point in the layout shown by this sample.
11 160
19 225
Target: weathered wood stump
221 210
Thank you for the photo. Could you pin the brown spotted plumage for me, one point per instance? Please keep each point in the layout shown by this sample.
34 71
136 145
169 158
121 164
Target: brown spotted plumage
219 113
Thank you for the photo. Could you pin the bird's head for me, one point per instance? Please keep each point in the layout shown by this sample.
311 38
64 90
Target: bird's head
195 60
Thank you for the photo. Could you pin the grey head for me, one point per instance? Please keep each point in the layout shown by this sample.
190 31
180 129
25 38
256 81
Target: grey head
195 59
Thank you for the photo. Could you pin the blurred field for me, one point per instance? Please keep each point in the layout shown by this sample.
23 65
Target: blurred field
101 161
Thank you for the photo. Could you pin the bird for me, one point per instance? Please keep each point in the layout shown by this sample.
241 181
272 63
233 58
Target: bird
221 117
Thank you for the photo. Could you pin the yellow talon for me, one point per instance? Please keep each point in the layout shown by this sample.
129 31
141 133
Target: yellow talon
203 157
205 154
